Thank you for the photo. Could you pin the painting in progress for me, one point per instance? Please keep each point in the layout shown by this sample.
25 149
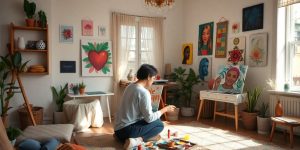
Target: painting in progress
187 54
205 68
236 50
96 58
155 91
258 50
230 79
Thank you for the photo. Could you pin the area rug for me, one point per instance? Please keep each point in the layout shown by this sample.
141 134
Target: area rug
204 136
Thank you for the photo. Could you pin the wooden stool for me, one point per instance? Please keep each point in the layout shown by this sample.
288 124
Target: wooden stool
290 122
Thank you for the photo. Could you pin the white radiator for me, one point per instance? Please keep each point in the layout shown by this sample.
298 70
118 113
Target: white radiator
290 105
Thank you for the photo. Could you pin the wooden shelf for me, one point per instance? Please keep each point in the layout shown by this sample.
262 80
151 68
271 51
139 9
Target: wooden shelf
29 28
31 50
35 73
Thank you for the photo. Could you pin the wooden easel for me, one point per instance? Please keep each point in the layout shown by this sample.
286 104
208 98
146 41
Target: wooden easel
15 76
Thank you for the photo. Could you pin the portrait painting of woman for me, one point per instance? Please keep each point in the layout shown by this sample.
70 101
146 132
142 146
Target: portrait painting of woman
205 39
187 54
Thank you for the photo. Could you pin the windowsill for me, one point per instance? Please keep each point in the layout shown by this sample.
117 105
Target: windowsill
287 93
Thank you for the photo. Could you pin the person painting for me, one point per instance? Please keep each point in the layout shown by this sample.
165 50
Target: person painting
186 54
205 43
230 78
203 68
135 122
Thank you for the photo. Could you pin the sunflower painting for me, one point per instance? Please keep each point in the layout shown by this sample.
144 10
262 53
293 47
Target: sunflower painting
258 50
96 58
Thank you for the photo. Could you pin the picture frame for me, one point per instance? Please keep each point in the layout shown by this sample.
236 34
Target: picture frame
87 28
102 31
67 66
204 69
187 53
205 39
258 50
253 17
221 39
236 50
66 34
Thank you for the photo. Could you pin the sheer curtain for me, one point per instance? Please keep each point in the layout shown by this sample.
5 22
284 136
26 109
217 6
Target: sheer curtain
283 3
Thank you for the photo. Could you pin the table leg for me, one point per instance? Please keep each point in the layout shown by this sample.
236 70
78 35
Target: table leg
200 108
108 109
291 136
215 109
272 132
236 116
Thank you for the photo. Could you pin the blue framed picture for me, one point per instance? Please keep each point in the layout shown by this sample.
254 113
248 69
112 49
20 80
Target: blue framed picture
253 17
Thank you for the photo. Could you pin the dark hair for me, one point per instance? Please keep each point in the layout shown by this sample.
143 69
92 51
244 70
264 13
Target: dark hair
146 71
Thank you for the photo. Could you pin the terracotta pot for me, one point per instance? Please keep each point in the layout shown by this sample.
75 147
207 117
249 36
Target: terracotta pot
81 91
30 22
278 109
249 120
263 125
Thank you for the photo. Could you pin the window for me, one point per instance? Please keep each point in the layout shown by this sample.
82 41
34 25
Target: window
289 19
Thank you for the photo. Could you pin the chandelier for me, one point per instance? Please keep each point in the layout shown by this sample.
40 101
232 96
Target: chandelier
160 3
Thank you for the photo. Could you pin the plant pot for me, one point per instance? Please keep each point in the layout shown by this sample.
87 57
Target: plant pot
59 117
249 120
173 116
30 22
187 111
263 125
81 91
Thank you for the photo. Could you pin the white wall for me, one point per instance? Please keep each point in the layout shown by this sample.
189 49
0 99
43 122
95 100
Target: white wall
71 12
197 12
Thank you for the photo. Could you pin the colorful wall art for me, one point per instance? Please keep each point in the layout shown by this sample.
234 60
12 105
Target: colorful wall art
96 58
66 34
235 27
205 39
236 50
87 27
258 50
155 91
253 17
230 79
221 39
204 68
187 54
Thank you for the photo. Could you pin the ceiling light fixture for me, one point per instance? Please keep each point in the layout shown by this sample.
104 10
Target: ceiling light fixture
160 4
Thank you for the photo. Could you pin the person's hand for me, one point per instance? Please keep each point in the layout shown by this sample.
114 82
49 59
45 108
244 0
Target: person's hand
169 108
217 83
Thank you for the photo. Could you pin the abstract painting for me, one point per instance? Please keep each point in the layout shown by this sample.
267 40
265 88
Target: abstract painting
205 39
258 50
187 54
96 58
230 79
236 50
66 34
87 27
204 69
221 39
253 17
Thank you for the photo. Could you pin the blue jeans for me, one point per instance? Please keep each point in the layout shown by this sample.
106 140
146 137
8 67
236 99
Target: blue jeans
140 129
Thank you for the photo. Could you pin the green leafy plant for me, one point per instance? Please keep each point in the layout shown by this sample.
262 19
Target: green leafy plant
59 96
186 82
13 133
252 99
42 18
74 88
263 110
29 8
81 85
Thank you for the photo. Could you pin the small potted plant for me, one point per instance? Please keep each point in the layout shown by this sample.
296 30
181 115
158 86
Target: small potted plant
74 88
81 88
263 120
29 8
12 134
59 96
42 19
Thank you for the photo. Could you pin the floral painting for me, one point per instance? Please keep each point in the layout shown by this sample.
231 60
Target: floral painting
66 34
235 27
221 39
96 58
258 50
204 69
87 27
230 79
236 50
187 54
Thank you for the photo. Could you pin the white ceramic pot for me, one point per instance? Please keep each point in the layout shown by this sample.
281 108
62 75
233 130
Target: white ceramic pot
173 116
263 125
187 111
59 117
21 43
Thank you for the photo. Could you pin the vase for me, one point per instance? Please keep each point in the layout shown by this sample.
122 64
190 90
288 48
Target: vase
21 43
278 109
41 45
130 75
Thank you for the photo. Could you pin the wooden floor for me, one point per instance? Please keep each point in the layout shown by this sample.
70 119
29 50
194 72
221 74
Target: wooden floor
222 123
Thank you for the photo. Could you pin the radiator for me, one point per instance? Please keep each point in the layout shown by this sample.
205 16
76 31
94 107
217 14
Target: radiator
290 105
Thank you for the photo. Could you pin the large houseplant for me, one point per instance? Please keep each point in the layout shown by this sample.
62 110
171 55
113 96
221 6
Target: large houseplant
59 96
186 81
263 120
29 8
249 114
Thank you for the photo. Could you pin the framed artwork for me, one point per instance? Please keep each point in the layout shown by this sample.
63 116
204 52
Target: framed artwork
87 27
204 69
236 50
235 28
96 58
221 39
65 34
102 31
230 79
205 39
67 66
187 54
253 17
258 50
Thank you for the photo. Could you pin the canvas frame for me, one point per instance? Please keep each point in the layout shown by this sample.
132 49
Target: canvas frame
200 42
66 34
258 44
221 39
253 17
189 60
202 63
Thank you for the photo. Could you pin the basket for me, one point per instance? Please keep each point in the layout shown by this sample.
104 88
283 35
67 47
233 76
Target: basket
25 117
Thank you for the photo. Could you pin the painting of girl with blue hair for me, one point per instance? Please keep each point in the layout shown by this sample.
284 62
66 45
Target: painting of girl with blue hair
205 68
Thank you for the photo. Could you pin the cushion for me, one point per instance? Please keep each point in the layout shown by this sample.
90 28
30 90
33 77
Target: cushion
52 144
43 133
30 144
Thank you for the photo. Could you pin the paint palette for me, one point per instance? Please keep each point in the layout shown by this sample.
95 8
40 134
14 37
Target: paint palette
175 144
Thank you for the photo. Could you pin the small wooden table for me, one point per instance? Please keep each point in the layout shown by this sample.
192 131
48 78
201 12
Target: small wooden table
216 96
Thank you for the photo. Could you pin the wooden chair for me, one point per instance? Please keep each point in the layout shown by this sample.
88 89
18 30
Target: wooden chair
156 91
290 122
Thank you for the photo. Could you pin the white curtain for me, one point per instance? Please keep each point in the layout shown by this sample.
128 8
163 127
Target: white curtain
283 3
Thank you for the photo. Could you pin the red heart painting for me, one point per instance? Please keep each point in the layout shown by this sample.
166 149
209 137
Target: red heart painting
98 59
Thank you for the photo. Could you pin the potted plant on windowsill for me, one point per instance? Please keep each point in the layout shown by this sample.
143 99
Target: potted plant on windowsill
81 88
59 96
29 8
249 115
263 120
186 81
12 134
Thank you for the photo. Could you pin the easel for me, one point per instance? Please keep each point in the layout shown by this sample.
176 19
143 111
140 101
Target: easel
15 76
